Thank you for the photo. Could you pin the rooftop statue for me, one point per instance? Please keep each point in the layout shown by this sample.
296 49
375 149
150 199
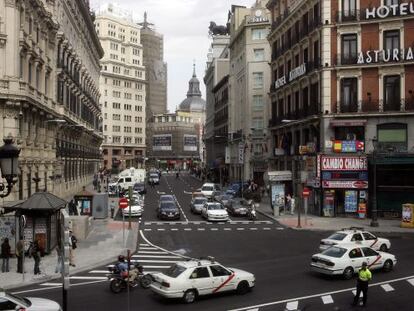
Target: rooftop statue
217 29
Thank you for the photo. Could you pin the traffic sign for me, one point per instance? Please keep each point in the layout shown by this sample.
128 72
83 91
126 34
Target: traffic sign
305 192
123 203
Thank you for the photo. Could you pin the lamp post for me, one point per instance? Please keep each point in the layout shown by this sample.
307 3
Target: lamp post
9 155
374 214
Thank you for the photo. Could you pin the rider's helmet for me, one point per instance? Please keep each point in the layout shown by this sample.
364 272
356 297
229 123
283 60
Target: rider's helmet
121 258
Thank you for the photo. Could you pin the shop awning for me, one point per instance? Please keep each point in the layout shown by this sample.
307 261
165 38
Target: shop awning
347 122
40 201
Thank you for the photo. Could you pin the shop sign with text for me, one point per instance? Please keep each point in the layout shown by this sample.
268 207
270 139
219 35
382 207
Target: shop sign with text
340 163
385 56
347 146
391 10
293 74
339 184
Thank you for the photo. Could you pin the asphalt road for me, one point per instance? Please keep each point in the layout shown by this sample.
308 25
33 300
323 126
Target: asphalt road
278 257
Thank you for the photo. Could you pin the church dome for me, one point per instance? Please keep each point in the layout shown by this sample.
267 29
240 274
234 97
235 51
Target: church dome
193 102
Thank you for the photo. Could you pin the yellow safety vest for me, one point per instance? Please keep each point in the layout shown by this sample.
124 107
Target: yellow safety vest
364 275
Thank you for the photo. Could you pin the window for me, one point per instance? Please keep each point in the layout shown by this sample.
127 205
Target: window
349 49
217 270
257 80
259 55
350 133
368 252
391 2
392 133
174 271
356 237
259 34
349 95
21 68
199 273
392 93
368 236
391 40
355 253
257 102
257 123
348 9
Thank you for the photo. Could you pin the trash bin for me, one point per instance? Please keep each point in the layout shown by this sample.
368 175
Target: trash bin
407 220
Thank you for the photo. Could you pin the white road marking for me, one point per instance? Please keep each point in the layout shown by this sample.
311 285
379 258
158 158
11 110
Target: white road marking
51 284
88 277
201 229
327 299
155 267
267 228
292 305
99 271
186 192
240 229
154 256
55 287
253 229
146 229
279 228
213 229
187 229
407 278
160 223
156 261
227 229
174 229
147 248
160 229
151 252
387 287
143 244
256 309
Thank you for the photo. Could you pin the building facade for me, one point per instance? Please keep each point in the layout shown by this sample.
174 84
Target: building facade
342 104
49 97
123 89
249 87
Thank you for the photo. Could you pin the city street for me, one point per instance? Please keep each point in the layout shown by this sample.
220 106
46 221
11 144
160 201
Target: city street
278 257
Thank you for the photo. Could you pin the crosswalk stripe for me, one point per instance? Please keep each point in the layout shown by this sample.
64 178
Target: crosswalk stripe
256 309
99 271
267 228
387 287
411 281
146 229
201 229
240 229
51 284
213 229
327 299
187 229
156 267
152 252
88 277
227 229
292 305
156 261
147 248
254 229
154 256
144 244
160 229
174 229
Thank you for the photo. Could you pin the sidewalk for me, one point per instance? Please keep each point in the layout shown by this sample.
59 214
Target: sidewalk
103 244
331 223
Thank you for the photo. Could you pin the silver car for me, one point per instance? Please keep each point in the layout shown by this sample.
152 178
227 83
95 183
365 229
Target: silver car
197 204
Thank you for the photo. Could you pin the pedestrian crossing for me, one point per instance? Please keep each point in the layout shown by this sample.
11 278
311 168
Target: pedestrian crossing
231 222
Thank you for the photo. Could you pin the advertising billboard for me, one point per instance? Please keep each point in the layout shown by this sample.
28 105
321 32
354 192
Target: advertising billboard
190 142
162 142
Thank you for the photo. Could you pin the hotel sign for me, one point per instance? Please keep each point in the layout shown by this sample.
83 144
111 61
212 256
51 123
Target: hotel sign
385 11
293 74
394 55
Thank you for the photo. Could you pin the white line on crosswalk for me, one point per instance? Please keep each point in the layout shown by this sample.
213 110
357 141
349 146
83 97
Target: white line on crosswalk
160 229
174 229
254 229
387 287
292 305
213 229
279 228
144 248
267 228
146 229
144 244
152 252
88 277
257 309
201 229
240 229
155 267
51 284
154 256
156 261
99 271
187 229
327 299
227 229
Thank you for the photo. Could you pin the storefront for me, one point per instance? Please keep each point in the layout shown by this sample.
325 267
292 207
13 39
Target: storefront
344 185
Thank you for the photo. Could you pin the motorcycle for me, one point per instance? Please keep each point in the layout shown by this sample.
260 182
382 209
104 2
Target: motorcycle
119 280
251 211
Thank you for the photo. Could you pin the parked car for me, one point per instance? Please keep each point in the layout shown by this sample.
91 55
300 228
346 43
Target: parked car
214 211
358 236
140 188
168 210
154 178
137 209
346 260
208 189
238 207
197 204
236 188
190 279
13 302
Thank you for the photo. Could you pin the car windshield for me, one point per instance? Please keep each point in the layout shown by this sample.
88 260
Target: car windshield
337 236
166 198
174 271
134 201
334 251
207 188
168 206
154 176
138 186
200 201
23 301
214 207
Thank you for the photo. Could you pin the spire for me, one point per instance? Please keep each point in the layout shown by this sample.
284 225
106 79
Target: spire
194 84
194 69
146 24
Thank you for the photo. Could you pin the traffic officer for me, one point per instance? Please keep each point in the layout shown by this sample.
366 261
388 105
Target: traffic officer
364 276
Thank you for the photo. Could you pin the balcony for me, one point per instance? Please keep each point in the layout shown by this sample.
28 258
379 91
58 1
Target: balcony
344 60
375 106
301 114
347 16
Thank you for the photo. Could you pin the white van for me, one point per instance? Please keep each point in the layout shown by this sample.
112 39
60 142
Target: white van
128 178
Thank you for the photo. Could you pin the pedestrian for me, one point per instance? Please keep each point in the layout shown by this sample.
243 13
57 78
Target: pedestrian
72 208
19 255
364 276
72 246
59 265
5 255
288 203
36 252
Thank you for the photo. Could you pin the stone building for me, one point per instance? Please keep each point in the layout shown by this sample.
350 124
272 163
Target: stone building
342 92
49 93
123 89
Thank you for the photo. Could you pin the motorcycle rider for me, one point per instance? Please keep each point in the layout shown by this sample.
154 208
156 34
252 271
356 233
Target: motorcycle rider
122 267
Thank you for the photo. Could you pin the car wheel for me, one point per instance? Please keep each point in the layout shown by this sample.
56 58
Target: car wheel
243 288
190 296
383 248
388 265
145 281
348 273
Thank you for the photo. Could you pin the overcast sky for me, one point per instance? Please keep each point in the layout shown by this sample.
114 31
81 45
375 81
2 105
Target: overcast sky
184 24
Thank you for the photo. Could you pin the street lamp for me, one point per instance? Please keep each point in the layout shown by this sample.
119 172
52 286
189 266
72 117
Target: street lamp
9 155
374 216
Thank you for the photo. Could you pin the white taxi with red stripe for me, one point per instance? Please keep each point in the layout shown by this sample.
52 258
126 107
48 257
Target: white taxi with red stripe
193 278
346 260
357 236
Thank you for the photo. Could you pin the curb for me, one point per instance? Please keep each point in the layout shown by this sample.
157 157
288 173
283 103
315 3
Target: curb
272 217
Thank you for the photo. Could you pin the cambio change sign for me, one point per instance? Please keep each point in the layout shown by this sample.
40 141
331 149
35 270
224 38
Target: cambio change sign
162 142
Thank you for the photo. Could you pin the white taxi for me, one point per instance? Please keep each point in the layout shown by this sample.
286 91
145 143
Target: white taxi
10 302
358 236
208 189
189 279
214 211
347 259
137 209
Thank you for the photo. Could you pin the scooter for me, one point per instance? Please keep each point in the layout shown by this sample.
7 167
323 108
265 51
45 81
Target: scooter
251 212
119 281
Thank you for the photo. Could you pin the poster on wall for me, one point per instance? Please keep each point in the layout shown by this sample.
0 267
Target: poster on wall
278 195
162 142
190 142
328 203
351 201
8 230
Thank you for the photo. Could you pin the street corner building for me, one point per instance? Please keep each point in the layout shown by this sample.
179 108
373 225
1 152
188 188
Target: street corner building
49 94
342 103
